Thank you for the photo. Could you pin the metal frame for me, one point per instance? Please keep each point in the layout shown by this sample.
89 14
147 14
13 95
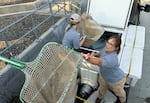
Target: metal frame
34 27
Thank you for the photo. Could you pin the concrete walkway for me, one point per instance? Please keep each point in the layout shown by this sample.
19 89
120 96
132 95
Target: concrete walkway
142 89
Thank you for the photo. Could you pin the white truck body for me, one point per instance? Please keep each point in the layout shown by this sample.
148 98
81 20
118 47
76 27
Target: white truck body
113 15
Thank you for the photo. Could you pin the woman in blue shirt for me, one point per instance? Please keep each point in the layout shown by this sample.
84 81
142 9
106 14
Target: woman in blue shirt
111 76
72 37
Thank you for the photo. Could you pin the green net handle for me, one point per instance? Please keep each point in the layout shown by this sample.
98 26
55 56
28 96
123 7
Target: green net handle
13 62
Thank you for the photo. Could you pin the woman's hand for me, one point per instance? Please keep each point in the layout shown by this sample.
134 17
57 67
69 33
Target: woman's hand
95 54
86 56
84 37
92 59
83 40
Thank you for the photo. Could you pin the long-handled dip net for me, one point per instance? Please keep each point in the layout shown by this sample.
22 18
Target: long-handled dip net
50 77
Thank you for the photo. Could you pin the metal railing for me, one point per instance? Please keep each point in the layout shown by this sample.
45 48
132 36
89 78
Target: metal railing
28 27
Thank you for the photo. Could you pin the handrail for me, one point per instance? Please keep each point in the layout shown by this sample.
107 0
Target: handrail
34 27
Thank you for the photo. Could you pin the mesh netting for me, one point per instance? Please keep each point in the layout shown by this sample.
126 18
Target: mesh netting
91 29
51 77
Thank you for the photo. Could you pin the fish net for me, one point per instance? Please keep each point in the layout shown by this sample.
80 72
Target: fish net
51 76
91 29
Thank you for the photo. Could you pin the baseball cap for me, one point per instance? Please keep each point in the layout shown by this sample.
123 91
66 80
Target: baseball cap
75 18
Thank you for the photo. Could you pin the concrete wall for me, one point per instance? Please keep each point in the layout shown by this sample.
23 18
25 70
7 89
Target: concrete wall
10 2
24 7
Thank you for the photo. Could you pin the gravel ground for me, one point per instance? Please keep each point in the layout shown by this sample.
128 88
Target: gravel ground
15 32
